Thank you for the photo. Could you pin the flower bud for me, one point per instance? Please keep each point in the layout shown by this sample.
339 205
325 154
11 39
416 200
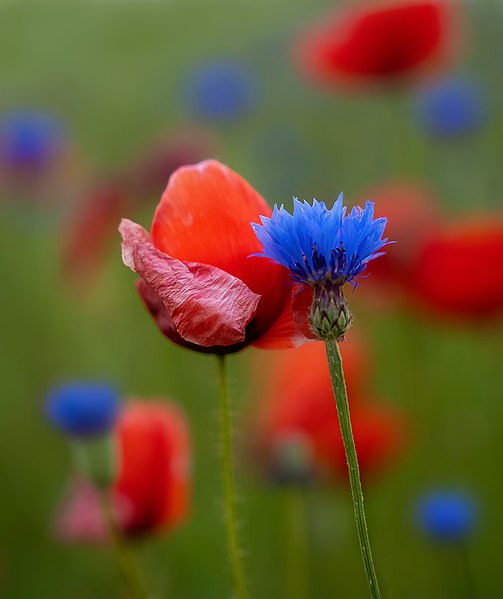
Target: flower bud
330 316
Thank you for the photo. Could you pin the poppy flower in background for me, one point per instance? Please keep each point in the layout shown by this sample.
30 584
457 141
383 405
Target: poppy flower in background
86 236
152 488
413 215
376 42
458 271
298 404
199 278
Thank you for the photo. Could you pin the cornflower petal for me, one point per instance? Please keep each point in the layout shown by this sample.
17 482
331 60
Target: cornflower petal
318 244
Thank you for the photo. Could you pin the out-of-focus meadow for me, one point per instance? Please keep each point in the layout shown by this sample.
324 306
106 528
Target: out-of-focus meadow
118 94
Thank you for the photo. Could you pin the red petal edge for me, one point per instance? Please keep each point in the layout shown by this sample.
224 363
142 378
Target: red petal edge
291 329
207 305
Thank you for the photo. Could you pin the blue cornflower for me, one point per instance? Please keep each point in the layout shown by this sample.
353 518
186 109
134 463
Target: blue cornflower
319 245
451 107
220 90
29 139
446 515
83 409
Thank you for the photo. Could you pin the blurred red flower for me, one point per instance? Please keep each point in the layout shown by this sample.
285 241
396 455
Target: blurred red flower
373 42
152 490
86 236
458 271
413 217
199 278
298 403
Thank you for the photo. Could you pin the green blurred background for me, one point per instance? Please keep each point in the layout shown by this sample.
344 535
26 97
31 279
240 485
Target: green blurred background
112 71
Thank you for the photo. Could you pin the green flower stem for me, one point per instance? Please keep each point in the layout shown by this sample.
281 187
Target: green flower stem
126 562
229 485
341 401
297 582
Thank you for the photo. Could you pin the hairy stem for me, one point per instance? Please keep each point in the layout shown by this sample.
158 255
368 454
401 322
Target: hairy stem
229 485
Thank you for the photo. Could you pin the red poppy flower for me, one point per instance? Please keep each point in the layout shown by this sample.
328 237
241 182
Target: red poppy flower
299 403
377 41
151 492
458 271
200 279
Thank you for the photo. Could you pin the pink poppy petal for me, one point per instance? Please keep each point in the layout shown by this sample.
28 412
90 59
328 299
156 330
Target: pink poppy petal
80 518
207 305
302 302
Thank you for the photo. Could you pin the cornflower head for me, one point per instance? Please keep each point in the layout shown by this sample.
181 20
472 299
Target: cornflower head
324 249
81 410
445 515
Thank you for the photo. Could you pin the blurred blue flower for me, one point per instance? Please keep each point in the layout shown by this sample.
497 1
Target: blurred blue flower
451 107
319 245
446 515
220 90
28 139
83 409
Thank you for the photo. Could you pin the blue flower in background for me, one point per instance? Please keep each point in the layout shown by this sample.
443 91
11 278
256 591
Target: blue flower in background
451 107
446 515
29 139
220 90
83 409
319 245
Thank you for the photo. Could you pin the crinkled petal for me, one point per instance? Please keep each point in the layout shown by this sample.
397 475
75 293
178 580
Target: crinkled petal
207 305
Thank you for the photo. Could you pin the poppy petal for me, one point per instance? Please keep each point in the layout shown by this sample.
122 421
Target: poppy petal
458 272
207 305
378 41
291 329
302 302
80 518
153 303
155 466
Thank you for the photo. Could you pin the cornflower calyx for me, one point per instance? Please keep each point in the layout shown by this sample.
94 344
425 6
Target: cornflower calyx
330 316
